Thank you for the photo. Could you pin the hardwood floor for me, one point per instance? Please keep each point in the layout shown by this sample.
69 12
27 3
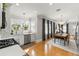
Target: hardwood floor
44 49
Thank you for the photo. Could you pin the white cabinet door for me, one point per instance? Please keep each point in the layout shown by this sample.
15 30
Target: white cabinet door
33 37
19 39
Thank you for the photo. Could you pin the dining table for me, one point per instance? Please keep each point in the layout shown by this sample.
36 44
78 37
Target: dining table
64 37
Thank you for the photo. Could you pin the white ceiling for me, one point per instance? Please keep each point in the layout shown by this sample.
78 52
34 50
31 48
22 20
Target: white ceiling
69 11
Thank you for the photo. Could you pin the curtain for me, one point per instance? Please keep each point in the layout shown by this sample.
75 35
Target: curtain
43 29
51 29
48 29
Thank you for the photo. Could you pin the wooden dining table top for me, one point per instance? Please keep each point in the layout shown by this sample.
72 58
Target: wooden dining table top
64 35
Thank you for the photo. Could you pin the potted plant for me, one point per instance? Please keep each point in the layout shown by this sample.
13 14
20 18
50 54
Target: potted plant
25 28
15 28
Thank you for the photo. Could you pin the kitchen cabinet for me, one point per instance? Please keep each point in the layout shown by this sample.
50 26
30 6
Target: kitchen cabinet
27 38
22 38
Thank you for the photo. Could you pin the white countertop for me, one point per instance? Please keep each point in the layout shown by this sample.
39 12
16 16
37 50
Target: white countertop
14 50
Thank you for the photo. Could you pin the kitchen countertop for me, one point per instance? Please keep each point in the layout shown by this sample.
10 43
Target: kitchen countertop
14 50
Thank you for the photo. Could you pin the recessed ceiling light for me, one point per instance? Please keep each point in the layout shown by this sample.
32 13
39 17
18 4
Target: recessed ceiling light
24 13
58 10
50 4
17 4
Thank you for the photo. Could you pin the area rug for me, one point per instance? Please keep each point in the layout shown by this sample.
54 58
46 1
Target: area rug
70 48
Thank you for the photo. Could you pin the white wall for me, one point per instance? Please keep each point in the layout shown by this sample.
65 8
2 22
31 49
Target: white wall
39 24
6 32
39 29
0 16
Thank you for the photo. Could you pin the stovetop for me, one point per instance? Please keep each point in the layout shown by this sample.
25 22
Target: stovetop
7 42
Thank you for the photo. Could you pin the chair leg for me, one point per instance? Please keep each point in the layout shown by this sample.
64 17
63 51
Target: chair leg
76 43
68 42
64 42
54 40
60 41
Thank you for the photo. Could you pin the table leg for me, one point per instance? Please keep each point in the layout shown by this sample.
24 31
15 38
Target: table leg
59 40
64 42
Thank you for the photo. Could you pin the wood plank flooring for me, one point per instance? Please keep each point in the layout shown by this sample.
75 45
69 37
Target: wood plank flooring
44 49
